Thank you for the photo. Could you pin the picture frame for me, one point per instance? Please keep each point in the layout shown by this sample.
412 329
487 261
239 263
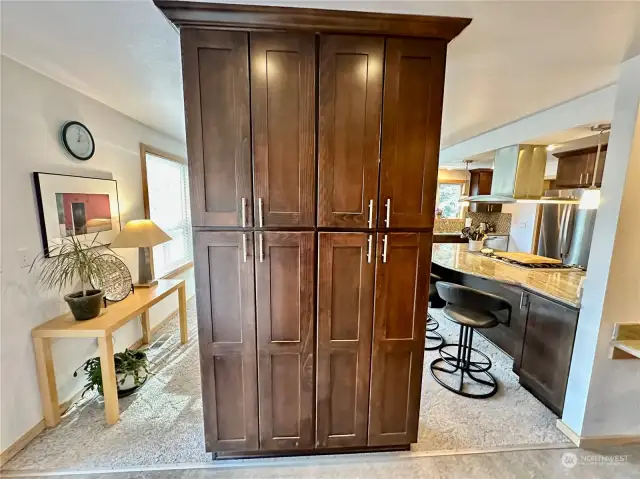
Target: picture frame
79 206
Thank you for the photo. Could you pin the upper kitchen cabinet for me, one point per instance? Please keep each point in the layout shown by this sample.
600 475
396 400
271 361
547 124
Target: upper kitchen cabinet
413 88
480 180
215 69
283 124
350 102
576 168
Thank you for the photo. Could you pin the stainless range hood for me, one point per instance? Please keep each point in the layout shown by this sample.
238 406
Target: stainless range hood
518 176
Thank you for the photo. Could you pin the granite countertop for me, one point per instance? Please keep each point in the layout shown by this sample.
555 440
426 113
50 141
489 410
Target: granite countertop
560 286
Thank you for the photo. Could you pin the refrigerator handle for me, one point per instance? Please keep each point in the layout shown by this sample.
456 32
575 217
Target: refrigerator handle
566 218
562 232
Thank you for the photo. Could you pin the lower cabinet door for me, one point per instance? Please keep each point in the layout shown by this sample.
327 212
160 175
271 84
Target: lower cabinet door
547 350
401 296
284 304
226 324
345 320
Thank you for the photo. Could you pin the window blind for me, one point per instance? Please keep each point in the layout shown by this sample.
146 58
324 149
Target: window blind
168 190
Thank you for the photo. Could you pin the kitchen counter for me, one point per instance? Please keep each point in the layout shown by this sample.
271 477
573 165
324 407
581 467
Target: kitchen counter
555 285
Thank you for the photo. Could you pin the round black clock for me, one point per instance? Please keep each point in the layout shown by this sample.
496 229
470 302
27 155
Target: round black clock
77 140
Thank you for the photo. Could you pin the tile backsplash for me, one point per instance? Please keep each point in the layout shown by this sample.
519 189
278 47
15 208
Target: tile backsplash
502 221
446 225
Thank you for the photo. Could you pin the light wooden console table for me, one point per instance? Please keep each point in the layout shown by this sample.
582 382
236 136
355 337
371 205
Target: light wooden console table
102 328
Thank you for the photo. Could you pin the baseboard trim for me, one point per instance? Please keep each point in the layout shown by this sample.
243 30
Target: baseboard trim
586 442
36 430
289 461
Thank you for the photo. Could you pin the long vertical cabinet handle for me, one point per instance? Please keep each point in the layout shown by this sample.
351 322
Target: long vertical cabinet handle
384 249
260 248
244 247
370 214
387 220
369 242
243 212
260 219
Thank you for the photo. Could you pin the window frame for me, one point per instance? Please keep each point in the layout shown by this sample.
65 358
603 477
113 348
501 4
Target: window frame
144 149
460 182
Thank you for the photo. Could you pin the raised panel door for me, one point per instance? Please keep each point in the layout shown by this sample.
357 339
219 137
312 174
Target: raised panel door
284 304
345 321
413 89
283 123
350 103
226 333
400 310
216 91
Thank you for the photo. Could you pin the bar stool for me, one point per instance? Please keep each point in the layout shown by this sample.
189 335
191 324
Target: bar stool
471 309
433 340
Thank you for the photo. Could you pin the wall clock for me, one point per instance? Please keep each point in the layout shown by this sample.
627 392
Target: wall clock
77 140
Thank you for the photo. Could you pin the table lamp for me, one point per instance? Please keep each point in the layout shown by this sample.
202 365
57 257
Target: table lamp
141 234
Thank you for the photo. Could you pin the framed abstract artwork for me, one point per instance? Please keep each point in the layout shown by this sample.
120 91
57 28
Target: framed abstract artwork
76 206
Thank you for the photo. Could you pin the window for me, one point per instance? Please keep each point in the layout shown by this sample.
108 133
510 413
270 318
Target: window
167 205
448 199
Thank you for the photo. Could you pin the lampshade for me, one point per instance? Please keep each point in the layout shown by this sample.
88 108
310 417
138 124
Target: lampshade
590 199
140 234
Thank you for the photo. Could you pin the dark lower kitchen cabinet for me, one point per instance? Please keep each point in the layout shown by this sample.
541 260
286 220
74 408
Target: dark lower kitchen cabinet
547 349
400 310
284 266
345 320
224 272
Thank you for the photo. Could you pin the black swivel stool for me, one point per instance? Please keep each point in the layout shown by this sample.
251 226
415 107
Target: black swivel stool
433 340
471 309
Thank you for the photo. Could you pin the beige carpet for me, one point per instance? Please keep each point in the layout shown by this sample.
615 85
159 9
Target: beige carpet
162 423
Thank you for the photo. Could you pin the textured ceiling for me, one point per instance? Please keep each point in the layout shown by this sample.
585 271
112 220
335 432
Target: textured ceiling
514 59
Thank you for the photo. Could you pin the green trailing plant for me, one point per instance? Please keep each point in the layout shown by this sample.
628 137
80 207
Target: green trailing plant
74 261
128 363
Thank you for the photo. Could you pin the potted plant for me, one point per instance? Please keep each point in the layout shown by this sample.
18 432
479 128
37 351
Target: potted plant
75 261
132 371
475 235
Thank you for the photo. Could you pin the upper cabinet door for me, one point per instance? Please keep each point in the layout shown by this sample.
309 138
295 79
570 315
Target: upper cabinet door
283 121
215 67
284 306
349 130
413 85
400 314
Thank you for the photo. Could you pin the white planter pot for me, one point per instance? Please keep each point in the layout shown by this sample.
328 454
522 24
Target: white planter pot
129 381
476 245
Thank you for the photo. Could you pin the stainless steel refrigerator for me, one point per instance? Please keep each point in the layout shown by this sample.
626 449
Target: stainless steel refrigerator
566 231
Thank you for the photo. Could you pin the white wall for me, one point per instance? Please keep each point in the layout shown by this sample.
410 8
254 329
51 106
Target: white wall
33 108
602 394
523 217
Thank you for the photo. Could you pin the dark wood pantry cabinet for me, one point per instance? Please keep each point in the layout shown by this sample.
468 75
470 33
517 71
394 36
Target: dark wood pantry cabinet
313 140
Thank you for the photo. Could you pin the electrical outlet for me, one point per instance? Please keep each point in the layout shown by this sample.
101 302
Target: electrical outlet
24 258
